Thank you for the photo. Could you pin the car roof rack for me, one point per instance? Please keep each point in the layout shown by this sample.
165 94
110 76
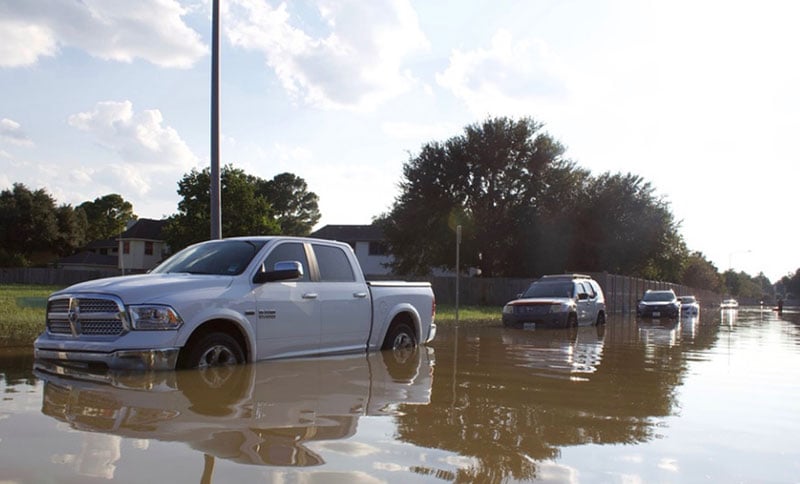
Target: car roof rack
566 276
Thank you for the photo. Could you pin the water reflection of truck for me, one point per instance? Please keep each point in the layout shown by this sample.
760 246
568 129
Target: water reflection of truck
260 414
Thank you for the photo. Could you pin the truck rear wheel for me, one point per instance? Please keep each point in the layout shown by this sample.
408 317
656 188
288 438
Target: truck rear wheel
400 336
214 349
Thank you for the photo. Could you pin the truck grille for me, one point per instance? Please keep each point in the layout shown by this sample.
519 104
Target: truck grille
85 315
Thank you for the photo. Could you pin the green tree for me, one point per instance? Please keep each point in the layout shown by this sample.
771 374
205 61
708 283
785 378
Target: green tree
33 229
485 180
625 228
700 273
244 212
72 229
789 285
107 216
27 219
295 208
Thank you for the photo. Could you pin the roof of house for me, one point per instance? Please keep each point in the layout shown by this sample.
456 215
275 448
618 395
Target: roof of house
102 244
349 233
145 228
89 258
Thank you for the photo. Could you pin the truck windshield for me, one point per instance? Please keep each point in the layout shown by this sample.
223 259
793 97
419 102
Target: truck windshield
549 289
227 258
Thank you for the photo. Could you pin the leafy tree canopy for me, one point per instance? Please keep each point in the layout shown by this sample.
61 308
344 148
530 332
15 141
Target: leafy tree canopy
30 223
107 216
700 273
295 208
525 210
247 206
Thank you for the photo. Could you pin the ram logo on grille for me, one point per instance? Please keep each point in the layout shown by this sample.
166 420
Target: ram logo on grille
73 316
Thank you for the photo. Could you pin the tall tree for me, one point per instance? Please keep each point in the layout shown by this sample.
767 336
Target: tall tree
700 273
107 216
295 208
625 228
27 219
244 212
32 227
72 229
484 180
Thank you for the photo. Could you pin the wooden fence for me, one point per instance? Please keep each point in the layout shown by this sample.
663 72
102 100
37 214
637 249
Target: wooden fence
621 292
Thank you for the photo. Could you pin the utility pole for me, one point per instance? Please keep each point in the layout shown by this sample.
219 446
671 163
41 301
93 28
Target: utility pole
458 265
216 195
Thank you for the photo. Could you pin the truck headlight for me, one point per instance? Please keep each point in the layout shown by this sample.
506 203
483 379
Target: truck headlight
559 308
154 317
508 309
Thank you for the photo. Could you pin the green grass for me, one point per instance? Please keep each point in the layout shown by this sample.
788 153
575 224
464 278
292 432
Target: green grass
22 313
469 314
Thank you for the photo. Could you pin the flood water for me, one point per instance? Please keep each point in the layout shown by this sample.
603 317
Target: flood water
711 399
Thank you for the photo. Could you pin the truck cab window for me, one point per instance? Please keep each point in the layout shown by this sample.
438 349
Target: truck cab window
334 266
291 251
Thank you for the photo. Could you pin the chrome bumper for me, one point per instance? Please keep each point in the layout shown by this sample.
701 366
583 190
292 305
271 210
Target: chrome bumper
160 359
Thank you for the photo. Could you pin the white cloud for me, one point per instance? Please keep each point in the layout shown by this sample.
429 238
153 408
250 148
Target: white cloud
140 139
11 131
149 156
352 60
117 30
510 77
21 44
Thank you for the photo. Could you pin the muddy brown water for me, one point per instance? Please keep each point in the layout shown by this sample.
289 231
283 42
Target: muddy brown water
715 398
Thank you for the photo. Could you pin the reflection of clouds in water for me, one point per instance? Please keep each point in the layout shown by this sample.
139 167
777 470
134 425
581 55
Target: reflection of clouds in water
549 471
97 458
668 464
141 444
329 477
354 449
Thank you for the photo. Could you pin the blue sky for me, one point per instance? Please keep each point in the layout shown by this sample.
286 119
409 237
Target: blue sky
699 98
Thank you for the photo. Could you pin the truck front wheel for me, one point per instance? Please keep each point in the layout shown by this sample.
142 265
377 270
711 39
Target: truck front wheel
400 336
214 349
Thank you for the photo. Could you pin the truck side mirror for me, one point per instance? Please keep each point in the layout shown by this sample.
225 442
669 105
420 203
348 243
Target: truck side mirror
283 271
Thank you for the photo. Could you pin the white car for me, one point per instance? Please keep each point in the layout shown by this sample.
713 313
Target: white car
689 305
560 300
729 304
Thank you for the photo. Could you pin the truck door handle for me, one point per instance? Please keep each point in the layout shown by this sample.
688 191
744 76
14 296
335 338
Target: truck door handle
360 295
310 295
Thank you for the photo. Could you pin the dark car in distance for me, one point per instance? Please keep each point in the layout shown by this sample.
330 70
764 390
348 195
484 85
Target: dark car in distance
659 304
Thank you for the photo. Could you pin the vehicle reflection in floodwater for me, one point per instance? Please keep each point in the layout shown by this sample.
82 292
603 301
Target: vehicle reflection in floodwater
689 326
728 316
570 354
261 414
659 332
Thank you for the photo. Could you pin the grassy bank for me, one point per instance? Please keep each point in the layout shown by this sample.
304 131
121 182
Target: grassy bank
469 314
22 309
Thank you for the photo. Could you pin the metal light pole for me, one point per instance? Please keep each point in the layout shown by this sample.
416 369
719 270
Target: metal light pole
458 265
216 196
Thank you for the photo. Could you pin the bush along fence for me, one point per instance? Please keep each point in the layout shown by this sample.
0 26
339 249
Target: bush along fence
622 292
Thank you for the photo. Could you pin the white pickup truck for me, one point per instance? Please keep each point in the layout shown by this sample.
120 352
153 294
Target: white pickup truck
233 301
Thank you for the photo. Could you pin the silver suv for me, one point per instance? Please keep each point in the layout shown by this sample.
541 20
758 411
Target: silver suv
562 300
